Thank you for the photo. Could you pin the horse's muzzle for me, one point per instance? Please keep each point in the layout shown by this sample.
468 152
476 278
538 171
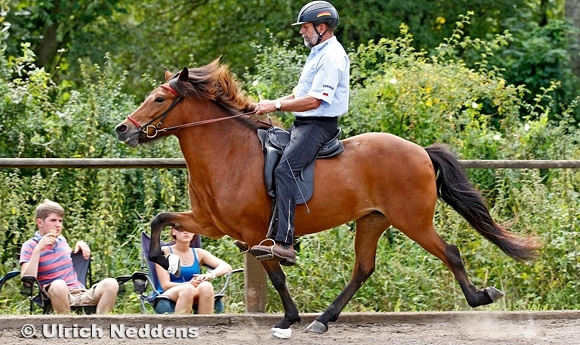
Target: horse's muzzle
124 134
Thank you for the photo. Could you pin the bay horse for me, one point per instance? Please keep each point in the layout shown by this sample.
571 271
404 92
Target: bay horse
380 180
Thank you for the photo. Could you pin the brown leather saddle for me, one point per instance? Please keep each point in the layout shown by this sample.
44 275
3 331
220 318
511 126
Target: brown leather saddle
274 140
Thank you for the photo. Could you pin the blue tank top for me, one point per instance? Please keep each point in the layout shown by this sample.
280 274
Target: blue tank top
187 272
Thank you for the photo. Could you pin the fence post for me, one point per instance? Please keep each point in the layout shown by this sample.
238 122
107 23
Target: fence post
255 284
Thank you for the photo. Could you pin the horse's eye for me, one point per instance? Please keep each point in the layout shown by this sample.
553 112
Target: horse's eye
159 99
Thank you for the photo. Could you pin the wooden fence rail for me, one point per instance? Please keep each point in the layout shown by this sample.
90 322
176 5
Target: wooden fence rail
118 163
255 280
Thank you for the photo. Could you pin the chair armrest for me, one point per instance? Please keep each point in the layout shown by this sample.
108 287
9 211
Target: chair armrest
140 281
7 277
29 282
228 276
123 279
28 286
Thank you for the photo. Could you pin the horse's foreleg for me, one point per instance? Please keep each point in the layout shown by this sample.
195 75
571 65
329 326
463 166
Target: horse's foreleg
368 232
450 256
155 252
158 223
278 279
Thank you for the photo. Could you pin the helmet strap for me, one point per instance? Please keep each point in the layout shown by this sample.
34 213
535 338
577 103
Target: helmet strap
319 34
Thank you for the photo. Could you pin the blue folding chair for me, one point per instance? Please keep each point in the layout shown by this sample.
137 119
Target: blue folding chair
145 284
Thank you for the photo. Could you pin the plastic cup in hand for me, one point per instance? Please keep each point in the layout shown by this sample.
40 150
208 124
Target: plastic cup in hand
53 232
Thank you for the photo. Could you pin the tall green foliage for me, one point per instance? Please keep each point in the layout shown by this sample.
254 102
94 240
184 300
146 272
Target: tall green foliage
42 119
539 56
147 35
52 27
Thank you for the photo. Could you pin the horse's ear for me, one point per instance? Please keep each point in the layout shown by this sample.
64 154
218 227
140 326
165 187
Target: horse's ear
167 74
184 74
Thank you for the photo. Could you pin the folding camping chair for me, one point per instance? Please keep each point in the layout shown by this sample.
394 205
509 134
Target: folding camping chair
29 284
145 284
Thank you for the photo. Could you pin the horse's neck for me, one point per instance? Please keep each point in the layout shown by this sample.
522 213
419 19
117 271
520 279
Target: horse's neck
221 150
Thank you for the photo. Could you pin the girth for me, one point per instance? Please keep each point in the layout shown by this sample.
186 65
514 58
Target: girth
274 140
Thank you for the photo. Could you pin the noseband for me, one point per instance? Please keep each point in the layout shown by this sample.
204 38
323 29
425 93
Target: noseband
156 128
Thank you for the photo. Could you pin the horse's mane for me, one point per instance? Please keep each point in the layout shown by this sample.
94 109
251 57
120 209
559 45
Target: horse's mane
213 82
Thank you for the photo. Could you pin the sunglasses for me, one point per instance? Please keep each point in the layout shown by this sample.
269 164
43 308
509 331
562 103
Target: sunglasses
178 230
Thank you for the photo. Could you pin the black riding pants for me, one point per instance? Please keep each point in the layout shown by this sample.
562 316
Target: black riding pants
307 136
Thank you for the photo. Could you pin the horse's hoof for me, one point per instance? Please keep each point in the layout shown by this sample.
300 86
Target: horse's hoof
317 327
494 293
174 265
281 333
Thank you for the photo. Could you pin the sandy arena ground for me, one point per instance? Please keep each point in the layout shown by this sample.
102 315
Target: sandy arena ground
440 328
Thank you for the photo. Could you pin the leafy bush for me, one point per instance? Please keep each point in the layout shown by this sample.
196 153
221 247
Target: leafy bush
74 124
539 56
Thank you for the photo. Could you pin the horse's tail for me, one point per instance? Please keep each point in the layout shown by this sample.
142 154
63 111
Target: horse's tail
455 189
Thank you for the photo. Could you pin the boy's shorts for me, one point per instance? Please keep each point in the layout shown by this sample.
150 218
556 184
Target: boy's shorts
83 297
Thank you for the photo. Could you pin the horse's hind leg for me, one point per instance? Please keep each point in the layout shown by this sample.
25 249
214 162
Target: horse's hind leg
368 231
449 254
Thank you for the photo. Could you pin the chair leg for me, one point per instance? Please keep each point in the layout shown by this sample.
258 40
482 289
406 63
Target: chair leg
218 305
143 306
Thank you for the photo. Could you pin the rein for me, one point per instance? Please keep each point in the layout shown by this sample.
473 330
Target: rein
156 128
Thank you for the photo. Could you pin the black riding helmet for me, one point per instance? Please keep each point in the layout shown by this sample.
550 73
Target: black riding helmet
318 12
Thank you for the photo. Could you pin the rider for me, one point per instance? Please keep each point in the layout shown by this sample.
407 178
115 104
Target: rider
318 100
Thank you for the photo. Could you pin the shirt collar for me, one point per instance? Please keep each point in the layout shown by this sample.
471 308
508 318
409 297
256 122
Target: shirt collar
318 48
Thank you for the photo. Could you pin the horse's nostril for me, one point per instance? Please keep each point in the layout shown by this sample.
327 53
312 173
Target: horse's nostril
121 128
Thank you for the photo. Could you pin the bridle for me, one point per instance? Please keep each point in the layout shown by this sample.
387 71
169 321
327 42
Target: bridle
156 129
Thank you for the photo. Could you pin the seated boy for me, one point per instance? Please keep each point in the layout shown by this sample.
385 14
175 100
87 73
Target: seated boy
47 256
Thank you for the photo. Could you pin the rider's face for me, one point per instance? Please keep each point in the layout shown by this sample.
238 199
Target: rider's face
309 34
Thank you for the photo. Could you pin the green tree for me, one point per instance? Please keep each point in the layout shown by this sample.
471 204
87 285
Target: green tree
145 36
572 12
429 21
54 26
539 56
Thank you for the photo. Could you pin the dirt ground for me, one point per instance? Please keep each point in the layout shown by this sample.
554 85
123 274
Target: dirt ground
441 328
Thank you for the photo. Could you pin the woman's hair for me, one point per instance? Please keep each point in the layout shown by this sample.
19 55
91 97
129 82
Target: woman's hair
174 237
171 232
47 207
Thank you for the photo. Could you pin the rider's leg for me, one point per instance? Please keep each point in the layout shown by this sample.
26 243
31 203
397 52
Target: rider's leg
307 137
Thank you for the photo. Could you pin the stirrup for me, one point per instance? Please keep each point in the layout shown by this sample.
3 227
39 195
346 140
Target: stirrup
267 256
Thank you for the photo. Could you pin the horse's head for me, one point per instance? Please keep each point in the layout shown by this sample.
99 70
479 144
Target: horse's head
189 98
147 122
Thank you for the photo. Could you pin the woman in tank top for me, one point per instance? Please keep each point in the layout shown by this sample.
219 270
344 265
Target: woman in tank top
191 287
